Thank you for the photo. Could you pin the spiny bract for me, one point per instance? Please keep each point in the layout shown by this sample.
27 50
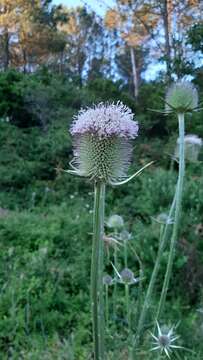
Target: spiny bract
164 341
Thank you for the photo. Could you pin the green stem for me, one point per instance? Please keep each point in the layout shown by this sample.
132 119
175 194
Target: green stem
115 284
147 301
108 255
107 305
179 192
125 253
127 306
150 290
139 300
97 272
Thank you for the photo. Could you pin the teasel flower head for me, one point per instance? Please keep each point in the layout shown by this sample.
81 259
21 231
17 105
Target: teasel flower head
164 341
126 276
181 97
103 138
193 145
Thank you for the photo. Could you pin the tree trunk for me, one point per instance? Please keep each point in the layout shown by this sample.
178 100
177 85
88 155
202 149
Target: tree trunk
167 38
6 50
24 61
134 72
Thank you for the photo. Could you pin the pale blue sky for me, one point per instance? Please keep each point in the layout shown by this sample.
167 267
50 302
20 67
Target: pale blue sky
98 6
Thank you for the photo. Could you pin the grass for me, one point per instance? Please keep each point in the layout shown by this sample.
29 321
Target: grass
45 232
45 269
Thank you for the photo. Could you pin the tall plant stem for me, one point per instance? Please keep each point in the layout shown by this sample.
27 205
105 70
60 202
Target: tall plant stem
127 301
179 192
115 284
97 272
162 244
125 253
107 305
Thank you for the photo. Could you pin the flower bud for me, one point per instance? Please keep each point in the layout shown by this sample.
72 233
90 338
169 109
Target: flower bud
181 97
107 280
127 276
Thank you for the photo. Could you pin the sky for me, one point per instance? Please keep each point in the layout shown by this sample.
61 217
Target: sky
97 5
100 7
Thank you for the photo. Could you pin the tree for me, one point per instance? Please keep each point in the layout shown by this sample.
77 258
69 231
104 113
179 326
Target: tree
176 17
27 33
124 64
195 37
134 23
83 33
159 25
8 20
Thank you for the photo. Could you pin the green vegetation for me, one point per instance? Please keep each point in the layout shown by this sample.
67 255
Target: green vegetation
45 220
55 60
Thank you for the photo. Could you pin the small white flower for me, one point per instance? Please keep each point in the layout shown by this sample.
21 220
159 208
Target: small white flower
164 341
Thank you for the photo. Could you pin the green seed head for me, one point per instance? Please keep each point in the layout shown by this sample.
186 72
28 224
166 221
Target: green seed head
181 97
